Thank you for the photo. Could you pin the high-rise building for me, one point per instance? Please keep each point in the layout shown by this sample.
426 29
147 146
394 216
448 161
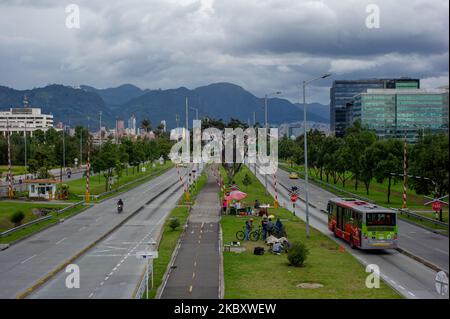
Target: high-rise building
120 127
21 120
132 125
343 92
402 112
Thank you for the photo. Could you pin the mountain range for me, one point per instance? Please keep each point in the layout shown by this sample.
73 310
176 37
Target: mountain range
82 105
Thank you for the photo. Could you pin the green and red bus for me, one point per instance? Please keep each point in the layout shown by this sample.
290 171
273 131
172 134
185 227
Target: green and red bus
363 225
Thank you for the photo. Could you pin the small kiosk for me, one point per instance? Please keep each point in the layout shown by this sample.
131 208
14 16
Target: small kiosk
41 188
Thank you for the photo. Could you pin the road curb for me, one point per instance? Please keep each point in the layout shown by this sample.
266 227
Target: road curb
158 242
55 271
221 272
420 260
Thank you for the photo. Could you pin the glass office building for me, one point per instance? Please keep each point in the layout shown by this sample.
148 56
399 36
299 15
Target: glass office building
402 112
342 95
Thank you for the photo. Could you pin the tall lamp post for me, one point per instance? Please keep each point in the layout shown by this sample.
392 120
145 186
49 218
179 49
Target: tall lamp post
305 83
196 111
267 126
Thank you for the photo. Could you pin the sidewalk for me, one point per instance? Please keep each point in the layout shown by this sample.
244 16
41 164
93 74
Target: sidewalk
198 260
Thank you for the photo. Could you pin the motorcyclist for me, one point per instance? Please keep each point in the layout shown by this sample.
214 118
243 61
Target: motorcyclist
120 203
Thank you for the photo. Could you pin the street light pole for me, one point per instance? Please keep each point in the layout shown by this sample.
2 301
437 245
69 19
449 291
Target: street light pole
305 139
267 128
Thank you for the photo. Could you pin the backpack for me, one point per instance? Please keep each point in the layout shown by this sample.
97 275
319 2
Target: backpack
258 251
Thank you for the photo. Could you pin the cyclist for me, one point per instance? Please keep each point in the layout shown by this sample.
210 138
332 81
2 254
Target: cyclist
248 227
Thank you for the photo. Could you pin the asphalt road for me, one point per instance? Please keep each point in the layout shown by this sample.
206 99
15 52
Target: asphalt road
197 263
410 278
23 264
421 242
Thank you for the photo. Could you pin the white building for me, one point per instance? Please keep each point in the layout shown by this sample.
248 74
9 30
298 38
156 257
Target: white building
132 125
26 119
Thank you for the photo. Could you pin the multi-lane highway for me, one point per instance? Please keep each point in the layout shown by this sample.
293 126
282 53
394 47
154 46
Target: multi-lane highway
409 277
109 269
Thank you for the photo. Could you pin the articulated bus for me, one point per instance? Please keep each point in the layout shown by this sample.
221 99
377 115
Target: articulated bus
363 225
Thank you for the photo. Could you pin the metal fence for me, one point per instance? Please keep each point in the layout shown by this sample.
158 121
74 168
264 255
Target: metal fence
12 230
420 217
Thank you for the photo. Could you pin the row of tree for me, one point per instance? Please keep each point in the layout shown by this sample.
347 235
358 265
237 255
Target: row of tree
362 157
52 149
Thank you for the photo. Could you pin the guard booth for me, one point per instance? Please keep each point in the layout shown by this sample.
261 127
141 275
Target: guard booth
41 188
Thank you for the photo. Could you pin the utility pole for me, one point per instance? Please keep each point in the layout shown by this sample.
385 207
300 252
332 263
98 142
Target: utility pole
101 142
25 105
405 173
81 147
87 196
177 120
10 185
305 138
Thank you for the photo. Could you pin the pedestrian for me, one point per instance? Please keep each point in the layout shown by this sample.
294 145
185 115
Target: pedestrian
279 227
264 223
270 226
248 227
224 205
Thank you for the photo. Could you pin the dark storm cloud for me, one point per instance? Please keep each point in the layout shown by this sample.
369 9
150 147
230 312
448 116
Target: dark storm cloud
260 45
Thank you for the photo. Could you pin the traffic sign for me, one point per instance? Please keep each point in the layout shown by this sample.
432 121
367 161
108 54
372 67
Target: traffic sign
294 198
437 206
146 254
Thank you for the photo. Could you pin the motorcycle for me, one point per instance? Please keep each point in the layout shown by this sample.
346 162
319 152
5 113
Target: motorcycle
119 208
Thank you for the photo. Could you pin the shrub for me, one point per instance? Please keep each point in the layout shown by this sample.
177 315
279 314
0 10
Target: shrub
174 223
247 180
298 254
17 218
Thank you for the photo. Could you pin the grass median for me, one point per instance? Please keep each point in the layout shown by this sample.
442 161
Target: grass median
271 277
26 207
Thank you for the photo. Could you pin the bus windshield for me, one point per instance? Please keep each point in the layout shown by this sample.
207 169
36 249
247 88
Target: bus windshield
380 219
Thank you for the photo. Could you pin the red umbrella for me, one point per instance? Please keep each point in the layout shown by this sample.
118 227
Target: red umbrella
237 195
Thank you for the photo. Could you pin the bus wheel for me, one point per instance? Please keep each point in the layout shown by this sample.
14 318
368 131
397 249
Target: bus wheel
352 244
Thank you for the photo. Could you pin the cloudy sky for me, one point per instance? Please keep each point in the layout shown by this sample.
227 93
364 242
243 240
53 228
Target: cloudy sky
262 45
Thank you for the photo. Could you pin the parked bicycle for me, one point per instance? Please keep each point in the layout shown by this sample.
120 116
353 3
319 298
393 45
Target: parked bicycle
254 235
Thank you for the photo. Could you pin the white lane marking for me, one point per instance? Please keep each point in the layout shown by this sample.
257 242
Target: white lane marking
92 294
60 241
24 261
441 251
101 284
407 236
82 228
393 282
401 287
411 293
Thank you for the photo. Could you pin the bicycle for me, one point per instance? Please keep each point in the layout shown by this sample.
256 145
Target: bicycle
253 235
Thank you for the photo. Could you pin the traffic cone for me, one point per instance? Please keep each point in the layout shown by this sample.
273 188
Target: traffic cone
342 249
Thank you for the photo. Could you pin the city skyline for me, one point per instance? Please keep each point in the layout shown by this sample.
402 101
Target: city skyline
165 44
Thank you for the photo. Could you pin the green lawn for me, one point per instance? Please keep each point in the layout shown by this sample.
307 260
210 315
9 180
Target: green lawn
97 182
15 170
378 194
5 211
270 276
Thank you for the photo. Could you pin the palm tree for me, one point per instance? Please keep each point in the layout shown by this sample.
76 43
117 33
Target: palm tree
146 125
